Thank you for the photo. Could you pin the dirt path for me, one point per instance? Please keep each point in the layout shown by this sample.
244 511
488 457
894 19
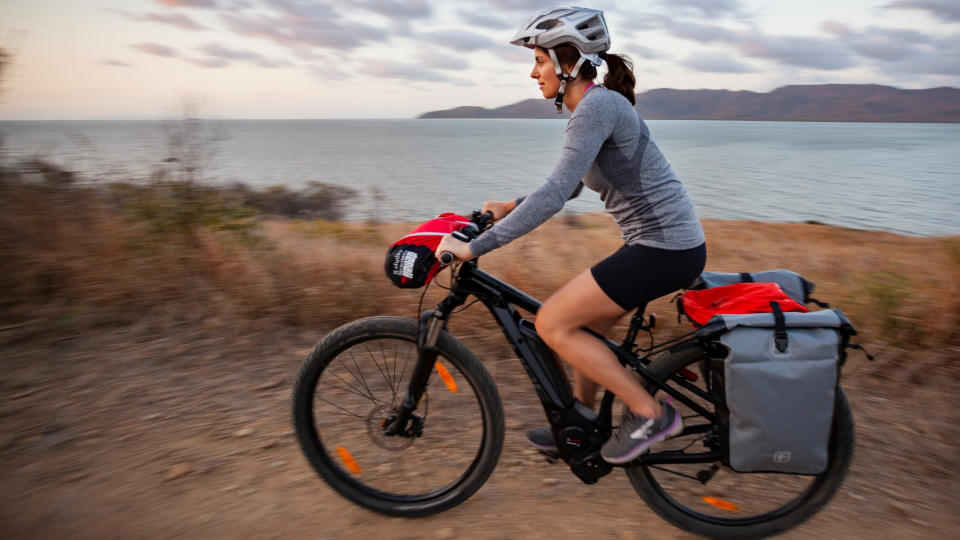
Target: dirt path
149 432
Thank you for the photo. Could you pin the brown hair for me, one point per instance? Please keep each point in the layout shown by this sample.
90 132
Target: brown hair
619 75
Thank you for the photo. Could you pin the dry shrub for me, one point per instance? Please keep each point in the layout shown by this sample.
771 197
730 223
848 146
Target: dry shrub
78 257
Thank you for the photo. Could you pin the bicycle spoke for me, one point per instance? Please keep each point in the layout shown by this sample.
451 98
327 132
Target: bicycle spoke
363 380
374 358
356 391
684 475
342 409
403 372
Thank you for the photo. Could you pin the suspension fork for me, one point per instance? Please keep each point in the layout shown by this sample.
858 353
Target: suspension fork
429 327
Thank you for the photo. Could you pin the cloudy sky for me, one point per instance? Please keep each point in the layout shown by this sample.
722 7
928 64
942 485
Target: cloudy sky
81 59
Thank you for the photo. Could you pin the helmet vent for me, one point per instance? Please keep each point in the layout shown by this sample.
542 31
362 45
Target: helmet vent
592 21
548 24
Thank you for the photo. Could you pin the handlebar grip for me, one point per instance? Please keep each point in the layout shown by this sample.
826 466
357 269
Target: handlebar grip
446 257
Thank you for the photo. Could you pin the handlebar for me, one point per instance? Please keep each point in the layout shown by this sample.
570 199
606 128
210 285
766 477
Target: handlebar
480 221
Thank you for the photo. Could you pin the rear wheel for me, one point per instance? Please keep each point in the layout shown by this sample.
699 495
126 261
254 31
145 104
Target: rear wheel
731 504
349 388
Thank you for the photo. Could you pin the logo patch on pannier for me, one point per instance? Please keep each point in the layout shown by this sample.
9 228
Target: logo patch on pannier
781 457
411 262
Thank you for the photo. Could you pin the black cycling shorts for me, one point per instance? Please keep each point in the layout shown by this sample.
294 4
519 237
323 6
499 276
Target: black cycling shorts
635 275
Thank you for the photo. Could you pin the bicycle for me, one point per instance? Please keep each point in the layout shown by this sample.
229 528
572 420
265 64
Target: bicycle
433 445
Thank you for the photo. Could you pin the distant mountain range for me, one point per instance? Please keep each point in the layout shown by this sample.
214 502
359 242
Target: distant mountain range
824 103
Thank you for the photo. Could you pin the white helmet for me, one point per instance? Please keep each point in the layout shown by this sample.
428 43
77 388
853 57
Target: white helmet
583 28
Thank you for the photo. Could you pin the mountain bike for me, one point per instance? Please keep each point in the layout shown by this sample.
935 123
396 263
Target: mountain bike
400 417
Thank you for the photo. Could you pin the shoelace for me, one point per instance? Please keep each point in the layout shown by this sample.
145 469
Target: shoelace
624 434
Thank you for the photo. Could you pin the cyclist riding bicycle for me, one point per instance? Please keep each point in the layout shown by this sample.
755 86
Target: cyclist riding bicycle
607 148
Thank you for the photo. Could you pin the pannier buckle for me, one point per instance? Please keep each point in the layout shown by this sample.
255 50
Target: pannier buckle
781 341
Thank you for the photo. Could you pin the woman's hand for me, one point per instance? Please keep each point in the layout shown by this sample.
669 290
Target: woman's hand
460 250
499 209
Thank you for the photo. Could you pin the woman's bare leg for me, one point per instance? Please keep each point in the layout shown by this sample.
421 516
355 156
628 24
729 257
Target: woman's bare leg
560 322
584 388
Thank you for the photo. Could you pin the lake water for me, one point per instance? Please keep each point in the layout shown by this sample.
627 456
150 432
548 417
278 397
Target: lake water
895 177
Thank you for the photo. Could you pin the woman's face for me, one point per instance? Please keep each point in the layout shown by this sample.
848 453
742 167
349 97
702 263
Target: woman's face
545 74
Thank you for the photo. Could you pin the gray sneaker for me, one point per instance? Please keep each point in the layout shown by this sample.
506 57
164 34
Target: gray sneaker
542 439
635 434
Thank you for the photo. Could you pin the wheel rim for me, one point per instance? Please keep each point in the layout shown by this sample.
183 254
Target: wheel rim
360 387
728 498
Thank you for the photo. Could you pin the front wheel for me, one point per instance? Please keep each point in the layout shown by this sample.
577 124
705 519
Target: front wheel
349 388
714 501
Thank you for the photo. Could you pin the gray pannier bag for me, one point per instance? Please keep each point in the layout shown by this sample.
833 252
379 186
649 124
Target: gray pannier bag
780 374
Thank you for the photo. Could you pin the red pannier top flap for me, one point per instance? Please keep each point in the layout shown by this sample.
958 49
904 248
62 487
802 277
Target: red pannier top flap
430 232
736 299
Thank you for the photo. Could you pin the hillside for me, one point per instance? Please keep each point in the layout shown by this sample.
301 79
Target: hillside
827 103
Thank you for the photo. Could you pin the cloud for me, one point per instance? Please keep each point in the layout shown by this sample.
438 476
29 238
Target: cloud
297 32
716 63
708 8
175 19
647 53
156 49
513 54
531 6
800 51
218 51
888 44
209 62
412 9
188 3
460 40
115 63
327 72
899 50
701 33
945 10
486 19
631 23
430 58
398 70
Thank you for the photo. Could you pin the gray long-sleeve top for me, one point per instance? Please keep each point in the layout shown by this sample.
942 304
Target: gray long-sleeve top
608 147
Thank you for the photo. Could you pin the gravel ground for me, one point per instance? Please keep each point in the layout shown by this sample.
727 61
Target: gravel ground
154 432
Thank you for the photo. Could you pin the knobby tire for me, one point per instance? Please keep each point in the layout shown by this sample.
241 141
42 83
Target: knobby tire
358 342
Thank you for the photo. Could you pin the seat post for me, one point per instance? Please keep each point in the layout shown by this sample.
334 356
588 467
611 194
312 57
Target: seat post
636 324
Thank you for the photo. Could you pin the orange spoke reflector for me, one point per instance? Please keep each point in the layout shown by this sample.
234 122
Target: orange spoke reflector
447 378
348 460
720 503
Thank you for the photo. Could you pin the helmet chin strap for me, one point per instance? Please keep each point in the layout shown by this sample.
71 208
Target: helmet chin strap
563 78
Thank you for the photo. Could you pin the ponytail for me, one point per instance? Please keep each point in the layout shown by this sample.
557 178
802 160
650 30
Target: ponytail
620 76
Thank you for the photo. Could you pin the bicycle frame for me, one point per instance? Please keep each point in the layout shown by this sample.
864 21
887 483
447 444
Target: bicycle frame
579 431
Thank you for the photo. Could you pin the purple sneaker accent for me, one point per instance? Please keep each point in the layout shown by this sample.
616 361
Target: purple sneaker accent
636 433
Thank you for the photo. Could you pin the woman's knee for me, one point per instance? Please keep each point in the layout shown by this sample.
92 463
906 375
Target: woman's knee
549 324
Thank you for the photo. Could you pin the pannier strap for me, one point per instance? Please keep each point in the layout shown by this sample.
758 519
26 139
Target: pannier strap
817 302
780 327
860 348
833 318
745 277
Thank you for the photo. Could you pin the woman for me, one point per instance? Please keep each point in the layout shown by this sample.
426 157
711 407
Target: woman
607 147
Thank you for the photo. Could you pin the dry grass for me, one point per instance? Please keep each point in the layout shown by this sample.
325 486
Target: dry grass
73 259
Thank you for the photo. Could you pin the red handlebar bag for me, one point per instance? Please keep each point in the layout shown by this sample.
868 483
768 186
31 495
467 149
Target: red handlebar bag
411 262
739 298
